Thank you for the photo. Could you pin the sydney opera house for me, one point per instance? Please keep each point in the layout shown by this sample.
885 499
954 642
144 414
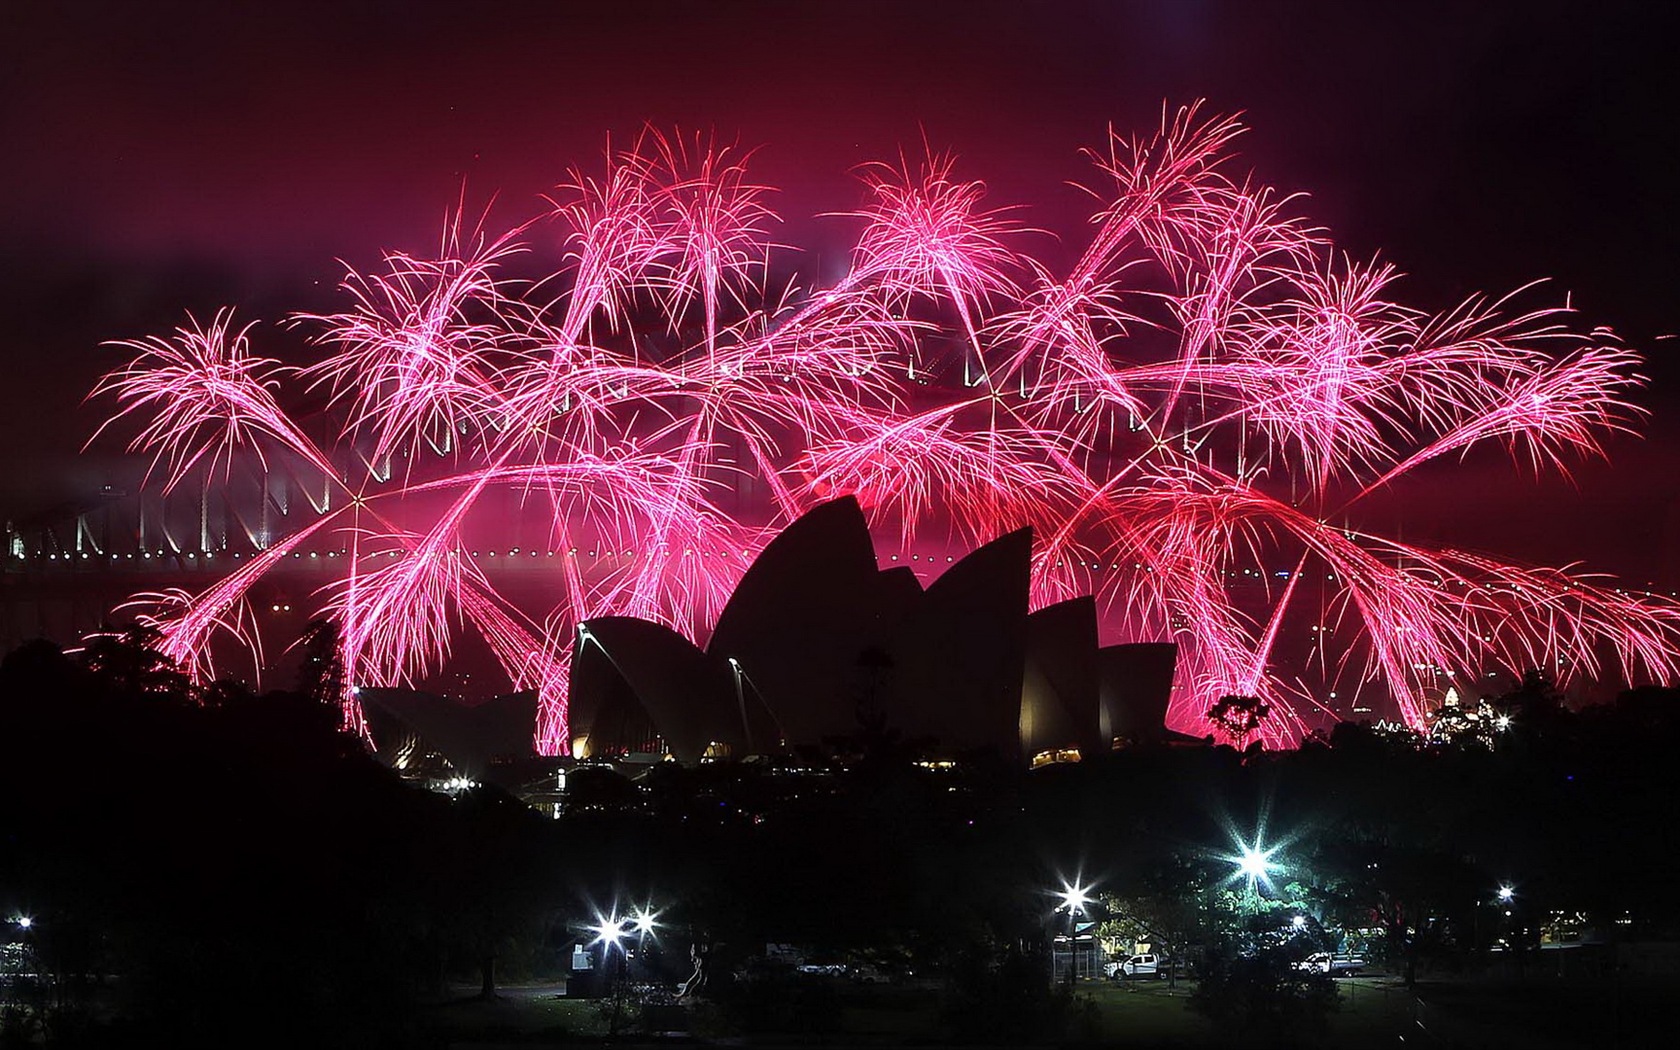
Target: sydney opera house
819 647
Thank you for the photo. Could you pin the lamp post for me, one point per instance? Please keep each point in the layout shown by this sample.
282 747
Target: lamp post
609 934
1074 899
612 931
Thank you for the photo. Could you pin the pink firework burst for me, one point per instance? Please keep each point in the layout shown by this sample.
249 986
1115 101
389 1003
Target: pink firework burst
1190 414
205 396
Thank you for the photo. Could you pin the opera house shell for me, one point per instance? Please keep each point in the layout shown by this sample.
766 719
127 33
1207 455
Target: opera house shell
818 645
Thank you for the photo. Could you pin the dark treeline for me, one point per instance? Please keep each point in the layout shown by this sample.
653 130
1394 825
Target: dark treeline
209 865
234 867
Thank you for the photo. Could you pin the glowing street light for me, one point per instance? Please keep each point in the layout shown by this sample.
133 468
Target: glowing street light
25 922
645 922
1505 894
609 931
1074 898
1254 865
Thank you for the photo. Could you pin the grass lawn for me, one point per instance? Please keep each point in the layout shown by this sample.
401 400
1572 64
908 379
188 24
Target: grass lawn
519 1013
1150 1014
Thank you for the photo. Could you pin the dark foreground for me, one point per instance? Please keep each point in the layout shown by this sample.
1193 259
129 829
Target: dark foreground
1374 1011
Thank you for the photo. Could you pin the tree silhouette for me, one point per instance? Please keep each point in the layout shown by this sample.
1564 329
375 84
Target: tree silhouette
1535 699
321 677
1239 716
130 662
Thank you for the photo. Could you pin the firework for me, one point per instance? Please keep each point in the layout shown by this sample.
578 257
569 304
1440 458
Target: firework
1208 387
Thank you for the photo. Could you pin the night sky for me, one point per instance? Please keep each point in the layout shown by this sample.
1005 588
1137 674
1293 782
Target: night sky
162 157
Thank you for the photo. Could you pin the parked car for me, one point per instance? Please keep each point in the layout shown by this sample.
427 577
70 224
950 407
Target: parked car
1134 967
1336 964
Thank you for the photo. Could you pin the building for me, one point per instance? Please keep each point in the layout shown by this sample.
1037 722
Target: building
819 647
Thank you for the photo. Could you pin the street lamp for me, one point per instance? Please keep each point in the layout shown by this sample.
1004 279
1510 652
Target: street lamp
613 931
645 922
1506 893
609 931
1074 898
1254 864
25 922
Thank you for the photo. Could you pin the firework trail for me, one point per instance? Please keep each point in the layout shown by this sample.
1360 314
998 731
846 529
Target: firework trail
1207 387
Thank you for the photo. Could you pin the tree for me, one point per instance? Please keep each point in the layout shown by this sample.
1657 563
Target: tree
1535 701
1239 716
500 879
1263 995
131 662
1402 889
999 995
321 676
1166 911
279 873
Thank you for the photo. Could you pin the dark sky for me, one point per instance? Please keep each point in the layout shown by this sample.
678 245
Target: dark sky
159 157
